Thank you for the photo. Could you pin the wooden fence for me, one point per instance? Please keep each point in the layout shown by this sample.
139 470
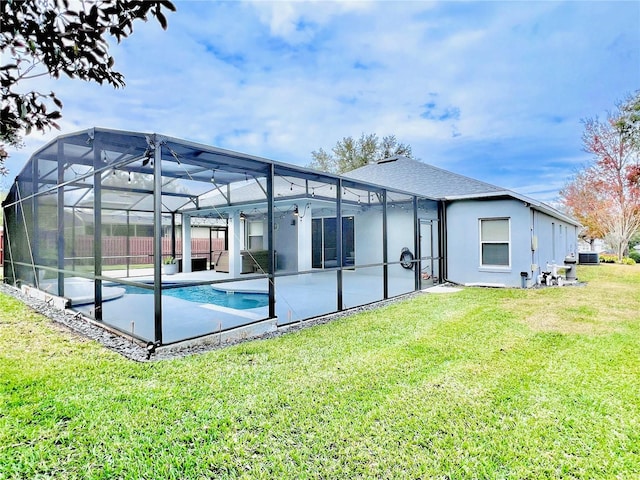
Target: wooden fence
114 249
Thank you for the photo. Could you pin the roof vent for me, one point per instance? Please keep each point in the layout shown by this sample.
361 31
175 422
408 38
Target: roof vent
389 159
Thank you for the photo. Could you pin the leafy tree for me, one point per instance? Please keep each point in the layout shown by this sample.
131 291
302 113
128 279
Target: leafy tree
629 121
606 195
349 154
53 37
587 205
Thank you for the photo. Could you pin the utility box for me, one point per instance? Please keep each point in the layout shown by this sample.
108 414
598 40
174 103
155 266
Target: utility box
570 270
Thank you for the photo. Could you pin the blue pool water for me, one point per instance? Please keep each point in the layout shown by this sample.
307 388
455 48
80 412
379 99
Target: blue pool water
207 294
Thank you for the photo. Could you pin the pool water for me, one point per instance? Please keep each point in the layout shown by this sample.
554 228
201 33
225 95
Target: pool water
207 294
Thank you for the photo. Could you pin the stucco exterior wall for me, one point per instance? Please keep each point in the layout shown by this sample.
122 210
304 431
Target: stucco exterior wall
400 234
368 237
555 240
368 240
286 242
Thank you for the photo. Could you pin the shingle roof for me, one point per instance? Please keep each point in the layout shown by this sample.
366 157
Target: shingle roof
426 180
420 178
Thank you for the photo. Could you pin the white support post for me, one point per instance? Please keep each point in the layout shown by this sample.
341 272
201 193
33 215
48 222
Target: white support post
186 243
304 242
236 233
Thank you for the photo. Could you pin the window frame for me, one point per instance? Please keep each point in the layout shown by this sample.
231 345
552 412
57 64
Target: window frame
249 235
481 243
347 261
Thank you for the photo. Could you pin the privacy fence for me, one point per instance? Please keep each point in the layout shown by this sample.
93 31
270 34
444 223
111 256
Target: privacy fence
139 250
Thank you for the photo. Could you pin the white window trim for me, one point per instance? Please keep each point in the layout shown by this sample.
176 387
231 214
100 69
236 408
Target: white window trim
493 268
248 235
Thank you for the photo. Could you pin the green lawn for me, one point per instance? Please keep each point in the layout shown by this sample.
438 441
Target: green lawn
484 383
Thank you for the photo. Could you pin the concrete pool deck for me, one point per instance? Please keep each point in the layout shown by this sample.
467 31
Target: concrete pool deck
298 297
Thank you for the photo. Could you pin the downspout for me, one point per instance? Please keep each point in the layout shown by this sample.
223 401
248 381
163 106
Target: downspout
533 242
442 240
528 275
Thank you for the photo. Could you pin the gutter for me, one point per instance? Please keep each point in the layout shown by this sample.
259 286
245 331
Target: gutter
529 202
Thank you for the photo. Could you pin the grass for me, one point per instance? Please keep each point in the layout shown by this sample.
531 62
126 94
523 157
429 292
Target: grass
484 383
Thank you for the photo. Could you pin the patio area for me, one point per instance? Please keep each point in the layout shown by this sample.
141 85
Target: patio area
298 297
98 215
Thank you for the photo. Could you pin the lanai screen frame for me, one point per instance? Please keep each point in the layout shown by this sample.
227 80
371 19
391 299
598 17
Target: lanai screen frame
176 177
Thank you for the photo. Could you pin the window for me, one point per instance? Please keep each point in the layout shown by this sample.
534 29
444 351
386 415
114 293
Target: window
495 242
255 232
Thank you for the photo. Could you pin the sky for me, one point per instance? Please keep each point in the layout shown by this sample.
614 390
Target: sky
493 90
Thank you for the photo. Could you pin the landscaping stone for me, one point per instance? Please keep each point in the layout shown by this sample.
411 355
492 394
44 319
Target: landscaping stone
135 350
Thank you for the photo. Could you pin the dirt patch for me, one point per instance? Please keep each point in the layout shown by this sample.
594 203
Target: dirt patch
546 321
584 311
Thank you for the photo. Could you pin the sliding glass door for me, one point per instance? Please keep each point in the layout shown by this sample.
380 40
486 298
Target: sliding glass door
324 242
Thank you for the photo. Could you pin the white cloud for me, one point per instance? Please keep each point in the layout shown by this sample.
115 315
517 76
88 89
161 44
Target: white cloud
509 81
297 22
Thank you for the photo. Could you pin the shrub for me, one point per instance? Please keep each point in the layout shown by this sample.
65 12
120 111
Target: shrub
632 259
608 258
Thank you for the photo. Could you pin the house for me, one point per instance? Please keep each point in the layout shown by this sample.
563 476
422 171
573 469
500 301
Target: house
262 245
493 236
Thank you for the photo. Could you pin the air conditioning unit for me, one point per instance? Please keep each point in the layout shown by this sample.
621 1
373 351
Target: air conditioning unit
588 258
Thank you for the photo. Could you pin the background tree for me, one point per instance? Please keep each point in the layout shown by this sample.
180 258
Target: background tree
606 195
629 120
53 37
587 205
349 154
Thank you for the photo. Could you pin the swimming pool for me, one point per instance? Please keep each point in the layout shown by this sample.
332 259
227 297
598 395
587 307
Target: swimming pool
208 294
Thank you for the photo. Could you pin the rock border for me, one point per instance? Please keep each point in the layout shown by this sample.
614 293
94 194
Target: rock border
135 350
